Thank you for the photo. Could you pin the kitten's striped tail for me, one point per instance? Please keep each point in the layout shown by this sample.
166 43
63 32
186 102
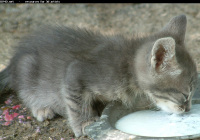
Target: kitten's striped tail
4 79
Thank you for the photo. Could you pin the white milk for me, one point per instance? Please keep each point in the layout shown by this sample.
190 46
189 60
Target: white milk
161 124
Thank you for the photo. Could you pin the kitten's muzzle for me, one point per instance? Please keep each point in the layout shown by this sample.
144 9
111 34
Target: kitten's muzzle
185 106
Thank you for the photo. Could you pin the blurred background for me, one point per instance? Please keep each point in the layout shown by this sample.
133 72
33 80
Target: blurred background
18 20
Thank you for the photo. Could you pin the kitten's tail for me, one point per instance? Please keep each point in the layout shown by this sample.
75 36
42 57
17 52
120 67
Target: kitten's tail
4 80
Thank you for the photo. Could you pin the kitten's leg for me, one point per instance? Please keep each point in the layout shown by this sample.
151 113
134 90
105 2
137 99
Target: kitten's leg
78 100
90 121
39 109
25 80
78 113
42 114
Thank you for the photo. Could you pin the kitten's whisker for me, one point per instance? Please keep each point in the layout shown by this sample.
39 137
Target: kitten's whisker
190 94
145 106
181 109
155 108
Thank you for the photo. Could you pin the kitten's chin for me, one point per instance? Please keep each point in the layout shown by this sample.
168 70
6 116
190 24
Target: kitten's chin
170 107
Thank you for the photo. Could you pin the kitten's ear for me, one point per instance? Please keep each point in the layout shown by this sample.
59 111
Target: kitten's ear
177 27
163 57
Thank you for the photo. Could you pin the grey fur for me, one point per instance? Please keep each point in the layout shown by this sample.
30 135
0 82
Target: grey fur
75 72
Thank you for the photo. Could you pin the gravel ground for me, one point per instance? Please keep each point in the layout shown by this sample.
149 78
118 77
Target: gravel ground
17 20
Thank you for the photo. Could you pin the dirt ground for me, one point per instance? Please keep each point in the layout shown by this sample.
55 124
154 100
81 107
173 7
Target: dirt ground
17 20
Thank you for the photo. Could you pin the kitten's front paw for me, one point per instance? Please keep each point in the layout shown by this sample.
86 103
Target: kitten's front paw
42 114
84 124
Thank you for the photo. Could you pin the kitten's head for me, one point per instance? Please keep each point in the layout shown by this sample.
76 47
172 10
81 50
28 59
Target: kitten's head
172 72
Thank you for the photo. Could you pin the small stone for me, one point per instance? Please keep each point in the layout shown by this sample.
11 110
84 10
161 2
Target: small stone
37 130
27 125
16 107
28 117
21 117
52 129
46 123
35 135
64 121
8 101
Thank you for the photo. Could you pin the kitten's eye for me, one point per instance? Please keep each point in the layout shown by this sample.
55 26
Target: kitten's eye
191 89
186 96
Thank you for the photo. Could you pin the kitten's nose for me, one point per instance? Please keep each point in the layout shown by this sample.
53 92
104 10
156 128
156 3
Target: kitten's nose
187 109
186 106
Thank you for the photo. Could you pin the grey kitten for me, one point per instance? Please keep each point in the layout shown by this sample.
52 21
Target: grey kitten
76 72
